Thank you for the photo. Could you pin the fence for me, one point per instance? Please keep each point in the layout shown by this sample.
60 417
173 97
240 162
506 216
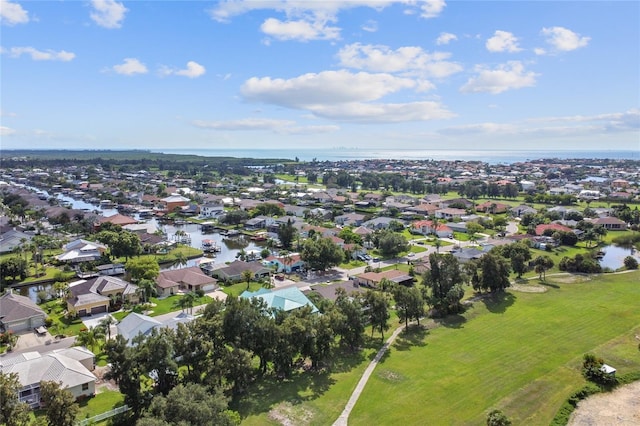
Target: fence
102 416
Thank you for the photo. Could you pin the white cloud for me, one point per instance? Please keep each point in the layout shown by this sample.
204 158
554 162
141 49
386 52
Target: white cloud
383 113
343 96
370 26
130 66
563 39
255 124
327 87
12 13
410 58
193 70
302 30
39 55
486 128
432 8
108 13
628 120
6 131
539 51
308 20
445 38
503 41
511 75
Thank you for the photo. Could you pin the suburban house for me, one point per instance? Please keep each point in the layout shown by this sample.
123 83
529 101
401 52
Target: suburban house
185 279
373 279
610 223
289 263
521 210
210 210
428 227
96 295
450 213
82 251
258 222
116 219
70 367
12 239
466 254
329 291
136 324
492 207
286 299
173 202
545 227
19 313
233 271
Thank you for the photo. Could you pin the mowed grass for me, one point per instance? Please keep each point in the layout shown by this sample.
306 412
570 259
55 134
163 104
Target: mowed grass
521 354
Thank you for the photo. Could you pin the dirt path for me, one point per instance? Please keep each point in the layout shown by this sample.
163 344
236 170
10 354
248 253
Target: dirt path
618 408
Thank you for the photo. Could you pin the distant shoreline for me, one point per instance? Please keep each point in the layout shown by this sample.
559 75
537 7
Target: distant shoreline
490 156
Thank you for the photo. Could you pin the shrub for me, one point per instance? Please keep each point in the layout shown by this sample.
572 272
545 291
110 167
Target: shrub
630 262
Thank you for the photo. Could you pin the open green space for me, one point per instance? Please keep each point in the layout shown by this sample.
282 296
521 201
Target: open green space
521 353
234 290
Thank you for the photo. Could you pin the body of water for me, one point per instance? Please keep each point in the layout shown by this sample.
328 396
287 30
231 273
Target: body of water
348 154
614 256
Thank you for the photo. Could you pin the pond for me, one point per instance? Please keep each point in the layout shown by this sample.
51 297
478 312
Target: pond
614 256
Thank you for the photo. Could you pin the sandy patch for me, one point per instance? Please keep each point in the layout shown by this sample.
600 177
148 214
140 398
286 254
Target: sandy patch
528 288
569 278
288 414
620 408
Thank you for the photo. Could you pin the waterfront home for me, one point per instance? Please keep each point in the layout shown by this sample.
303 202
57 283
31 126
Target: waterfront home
80 250
233 271
184 279
98 294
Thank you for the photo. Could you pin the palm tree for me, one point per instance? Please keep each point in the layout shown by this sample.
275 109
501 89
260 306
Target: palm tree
89 338
180 259
146 289
187 301
106 324
247 275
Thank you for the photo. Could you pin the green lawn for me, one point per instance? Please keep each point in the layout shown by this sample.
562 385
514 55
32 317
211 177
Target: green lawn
103 401
521 354
235 290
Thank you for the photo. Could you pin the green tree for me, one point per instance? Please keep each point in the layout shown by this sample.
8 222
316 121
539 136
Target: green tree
444 283
321 254
180 259
497 418
60 406
378 311
391 243
90 337
156 353
494 273
12 411
146 288
191 404
630 262
247 276
142 268
542 265
347 319
126 370
105 326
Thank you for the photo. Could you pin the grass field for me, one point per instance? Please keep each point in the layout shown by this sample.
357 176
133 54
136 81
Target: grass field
521 354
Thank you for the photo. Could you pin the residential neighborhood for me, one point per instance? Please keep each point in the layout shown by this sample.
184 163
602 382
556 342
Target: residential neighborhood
108 255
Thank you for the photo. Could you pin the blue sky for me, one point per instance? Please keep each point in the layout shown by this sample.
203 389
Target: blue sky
107 74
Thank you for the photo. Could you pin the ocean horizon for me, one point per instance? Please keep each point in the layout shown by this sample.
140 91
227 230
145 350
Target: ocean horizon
490 156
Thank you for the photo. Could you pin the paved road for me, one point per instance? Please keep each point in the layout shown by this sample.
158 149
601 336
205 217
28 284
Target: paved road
355 395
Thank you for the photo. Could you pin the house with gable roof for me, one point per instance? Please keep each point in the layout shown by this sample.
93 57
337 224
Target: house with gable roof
19 313
82 251
96 295
187 279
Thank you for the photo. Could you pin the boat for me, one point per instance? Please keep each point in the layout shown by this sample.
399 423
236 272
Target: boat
259 236
210 246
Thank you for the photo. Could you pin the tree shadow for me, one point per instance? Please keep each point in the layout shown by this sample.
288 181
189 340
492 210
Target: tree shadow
269 390
548 284
412 336
498 303
451 321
